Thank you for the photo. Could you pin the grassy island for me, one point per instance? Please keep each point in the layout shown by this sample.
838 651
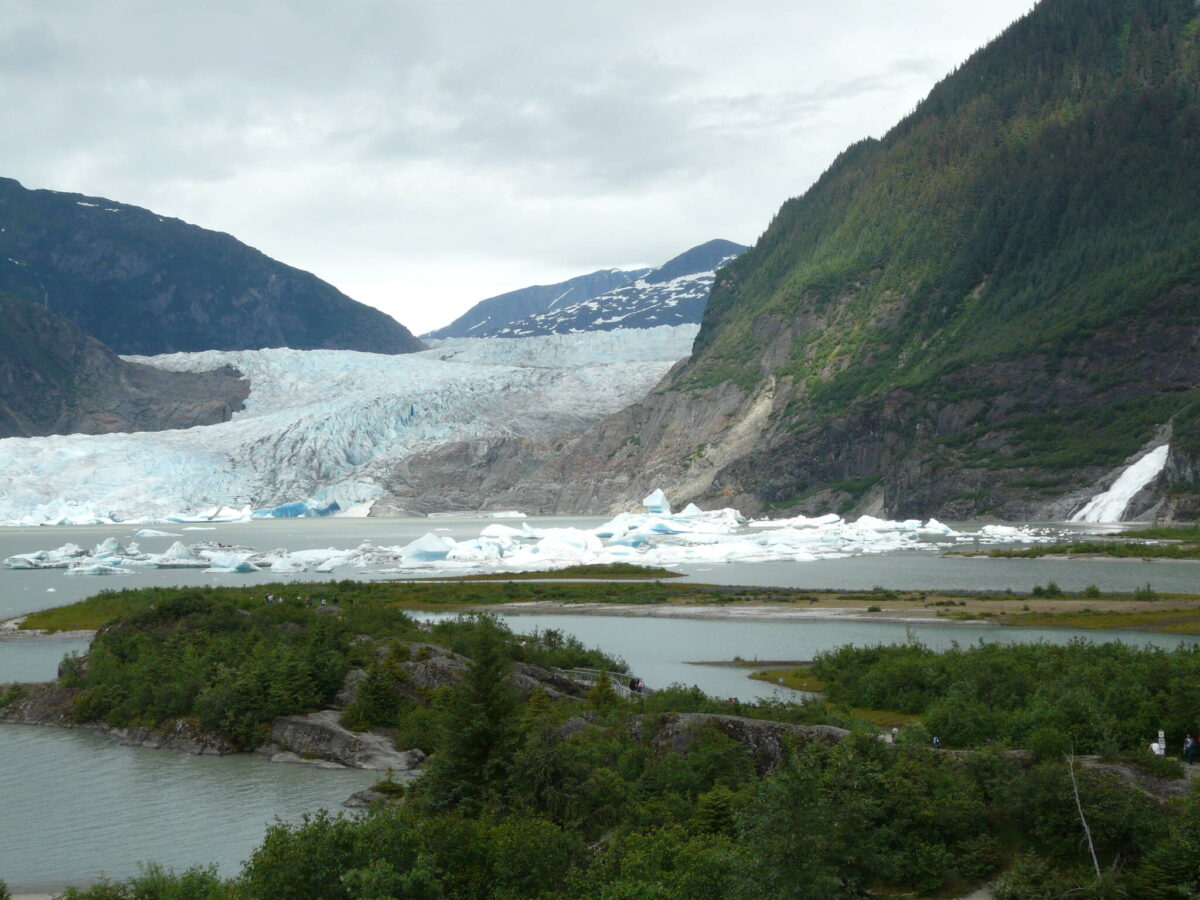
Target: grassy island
1163 542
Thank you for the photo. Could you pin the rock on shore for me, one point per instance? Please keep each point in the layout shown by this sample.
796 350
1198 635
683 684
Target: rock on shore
321 736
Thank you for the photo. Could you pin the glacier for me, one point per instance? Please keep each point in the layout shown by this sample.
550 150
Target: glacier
320 428
655 537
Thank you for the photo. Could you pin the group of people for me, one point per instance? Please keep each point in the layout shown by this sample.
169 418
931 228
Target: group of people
637 685
307 601
1191 749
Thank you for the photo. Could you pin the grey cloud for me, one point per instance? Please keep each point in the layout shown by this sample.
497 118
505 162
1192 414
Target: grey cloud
345 136
31 49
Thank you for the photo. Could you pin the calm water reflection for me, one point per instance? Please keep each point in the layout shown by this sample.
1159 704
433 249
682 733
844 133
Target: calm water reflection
665 650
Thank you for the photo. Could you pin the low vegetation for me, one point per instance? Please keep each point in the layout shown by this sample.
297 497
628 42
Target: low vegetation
1048 605
533 798
1141 549
1081 697
232 669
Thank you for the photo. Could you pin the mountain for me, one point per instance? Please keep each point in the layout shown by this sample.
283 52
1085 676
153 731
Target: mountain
673 294
487 317
144 283
987 312
54 379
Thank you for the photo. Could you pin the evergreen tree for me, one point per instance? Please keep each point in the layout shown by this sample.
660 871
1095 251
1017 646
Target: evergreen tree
479 728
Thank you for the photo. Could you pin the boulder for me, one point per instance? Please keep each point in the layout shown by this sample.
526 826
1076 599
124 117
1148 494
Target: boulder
364 798
528 679
320 735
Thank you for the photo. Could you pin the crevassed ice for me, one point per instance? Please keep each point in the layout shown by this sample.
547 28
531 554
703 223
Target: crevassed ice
320 427
655 537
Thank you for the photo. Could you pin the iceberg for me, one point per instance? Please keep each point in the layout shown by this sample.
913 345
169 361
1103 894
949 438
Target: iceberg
97 569
177 556
649 538
426 549
657 503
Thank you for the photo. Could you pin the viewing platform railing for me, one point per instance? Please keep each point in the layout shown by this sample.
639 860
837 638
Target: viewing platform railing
618 680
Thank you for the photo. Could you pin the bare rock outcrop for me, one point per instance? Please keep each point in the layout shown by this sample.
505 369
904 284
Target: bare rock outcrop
766 741
41 704
52 705
182 737
320 735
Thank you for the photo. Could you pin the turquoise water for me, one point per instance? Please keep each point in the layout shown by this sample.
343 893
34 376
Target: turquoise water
35 659
663 651
74 805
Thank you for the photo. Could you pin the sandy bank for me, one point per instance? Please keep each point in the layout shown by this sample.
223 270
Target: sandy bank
11 630
747 612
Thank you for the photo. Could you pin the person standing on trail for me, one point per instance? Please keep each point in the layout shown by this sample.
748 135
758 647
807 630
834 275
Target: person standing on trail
1189 749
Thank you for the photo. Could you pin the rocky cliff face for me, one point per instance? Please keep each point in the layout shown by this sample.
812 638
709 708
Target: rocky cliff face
982 314
147 284
54 379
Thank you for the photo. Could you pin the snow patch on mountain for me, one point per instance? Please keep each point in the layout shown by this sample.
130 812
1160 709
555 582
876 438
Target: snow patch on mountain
643 303
320 427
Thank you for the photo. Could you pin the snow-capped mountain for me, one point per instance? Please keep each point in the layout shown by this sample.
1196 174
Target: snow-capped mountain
489 316
324 427
673 294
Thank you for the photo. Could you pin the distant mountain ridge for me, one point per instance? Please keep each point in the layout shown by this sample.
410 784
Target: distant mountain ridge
675 293
147 284
54 379
487 317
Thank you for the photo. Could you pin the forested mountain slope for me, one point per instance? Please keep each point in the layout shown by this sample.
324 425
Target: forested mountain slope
54 379
983 313
144 283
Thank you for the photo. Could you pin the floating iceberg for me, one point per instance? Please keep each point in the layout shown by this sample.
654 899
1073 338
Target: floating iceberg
657 503
652 538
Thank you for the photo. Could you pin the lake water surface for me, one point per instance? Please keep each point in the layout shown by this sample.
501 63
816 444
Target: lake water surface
74 804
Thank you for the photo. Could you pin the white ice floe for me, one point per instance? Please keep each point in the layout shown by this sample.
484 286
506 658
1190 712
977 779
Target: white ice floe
321 428
653 538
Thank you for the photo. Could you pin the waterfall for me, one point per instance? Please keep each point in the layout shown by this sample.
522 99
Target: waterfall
1110 505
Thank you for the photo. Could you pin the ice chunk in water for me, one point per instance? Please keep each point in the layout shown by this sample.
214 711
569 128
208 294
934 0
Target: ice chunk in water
427 548
657 503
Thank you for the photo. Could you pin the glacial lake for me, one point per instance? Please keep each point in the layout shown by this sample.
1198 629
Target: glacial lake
75 804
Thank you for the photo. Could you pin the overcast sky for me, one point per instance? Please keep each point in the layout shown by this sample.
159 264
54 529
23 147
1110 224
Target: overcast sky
424 154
